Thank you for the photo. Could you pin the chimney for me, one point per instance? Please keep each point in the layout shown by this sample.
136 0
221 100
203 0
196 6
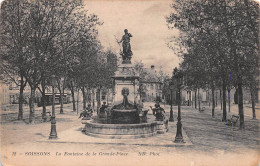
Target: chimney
152 67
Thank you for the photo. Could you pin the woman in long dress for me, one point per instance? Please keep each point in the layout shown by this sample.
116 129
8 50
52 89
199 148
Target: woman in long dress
126 44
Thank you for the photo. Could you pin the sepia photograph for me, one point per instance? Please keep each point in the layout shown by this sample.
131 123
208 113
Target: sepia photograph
129 83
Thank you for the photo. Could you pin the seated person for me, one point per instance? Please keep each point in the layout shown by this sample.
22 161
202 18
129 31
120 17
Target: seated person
87 112
158 112
102 110
89 109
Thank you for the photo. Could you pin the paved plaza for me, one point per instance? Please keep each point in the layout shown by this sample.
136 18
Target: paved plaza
208 142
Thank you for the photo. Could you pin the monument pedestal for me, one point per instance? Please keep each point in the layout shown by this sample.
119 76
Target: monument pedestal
126 77
162 126
125 81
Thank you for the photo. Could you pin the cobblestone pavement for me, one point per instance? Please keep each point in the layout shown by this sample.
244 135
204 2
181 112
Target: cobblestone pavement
214 143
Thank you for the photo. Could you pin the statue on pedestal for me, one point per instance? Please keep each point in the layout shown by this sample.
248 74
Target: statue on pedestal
127 52
158 112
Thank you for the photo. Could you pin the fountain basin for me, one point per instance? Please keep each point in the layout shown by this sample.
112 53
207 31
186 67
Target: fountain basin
123 116
119 131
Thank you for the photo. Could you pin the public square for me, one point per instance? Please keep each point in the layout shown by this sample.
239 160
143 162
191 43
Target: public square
210 142
138 83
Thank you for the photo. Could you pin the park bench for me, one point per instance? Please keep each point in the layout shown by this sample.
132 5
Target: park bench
233 120
202 109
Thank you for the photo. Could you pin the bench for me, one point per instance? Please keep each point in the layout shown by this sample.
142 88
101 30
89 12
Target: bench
202 109
233 120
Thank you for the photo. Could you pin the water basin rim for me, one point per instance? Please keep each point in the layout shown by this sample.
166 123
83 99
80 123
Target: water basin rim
124 110
89 122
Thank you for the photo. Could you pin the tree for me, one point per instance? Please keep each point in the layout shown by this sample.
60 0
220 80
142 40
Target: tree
46 31
140 69
15 30
85 64
105 68
80 26
224 34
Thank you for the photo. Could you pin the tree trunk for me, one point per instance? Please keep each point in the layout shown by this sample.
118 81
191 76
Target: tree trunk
77 101
209 98
21 100
107 97
240 105
44 117
229 92
73 96
224 118
199 97
216 101
93 98
196 99
221 103
140 93
88 95
252 90
61 101
31 104
187 94
213 101
190 98
228 100
84 98
98 99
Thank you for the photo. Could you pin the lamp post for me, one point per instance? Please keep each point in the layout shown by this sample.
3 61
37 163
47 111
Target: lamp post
171 111
53 134
179 137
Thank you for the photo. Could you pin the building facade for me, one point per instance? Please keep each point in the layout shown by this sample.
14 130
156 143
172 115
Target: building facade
150 85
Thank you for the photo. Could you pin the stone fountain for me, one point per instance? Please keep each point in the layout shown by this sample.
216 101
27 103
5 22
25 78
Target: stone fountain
125 118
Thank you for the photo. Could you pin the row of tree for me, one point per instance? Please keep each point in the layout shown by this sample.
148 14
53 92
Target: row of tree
43 38
219 44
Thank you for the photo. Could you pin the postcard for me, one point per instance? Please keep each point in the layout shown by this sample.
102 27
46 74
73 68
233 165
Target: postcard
120 82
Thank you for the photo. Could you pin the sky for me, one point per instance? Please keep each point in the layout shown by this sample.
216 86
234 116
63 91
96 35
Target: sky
145 20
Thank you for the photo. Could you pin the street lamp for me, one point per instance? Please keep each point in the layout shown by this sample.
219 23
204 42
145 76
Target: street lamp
53 134
171 111
179 79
